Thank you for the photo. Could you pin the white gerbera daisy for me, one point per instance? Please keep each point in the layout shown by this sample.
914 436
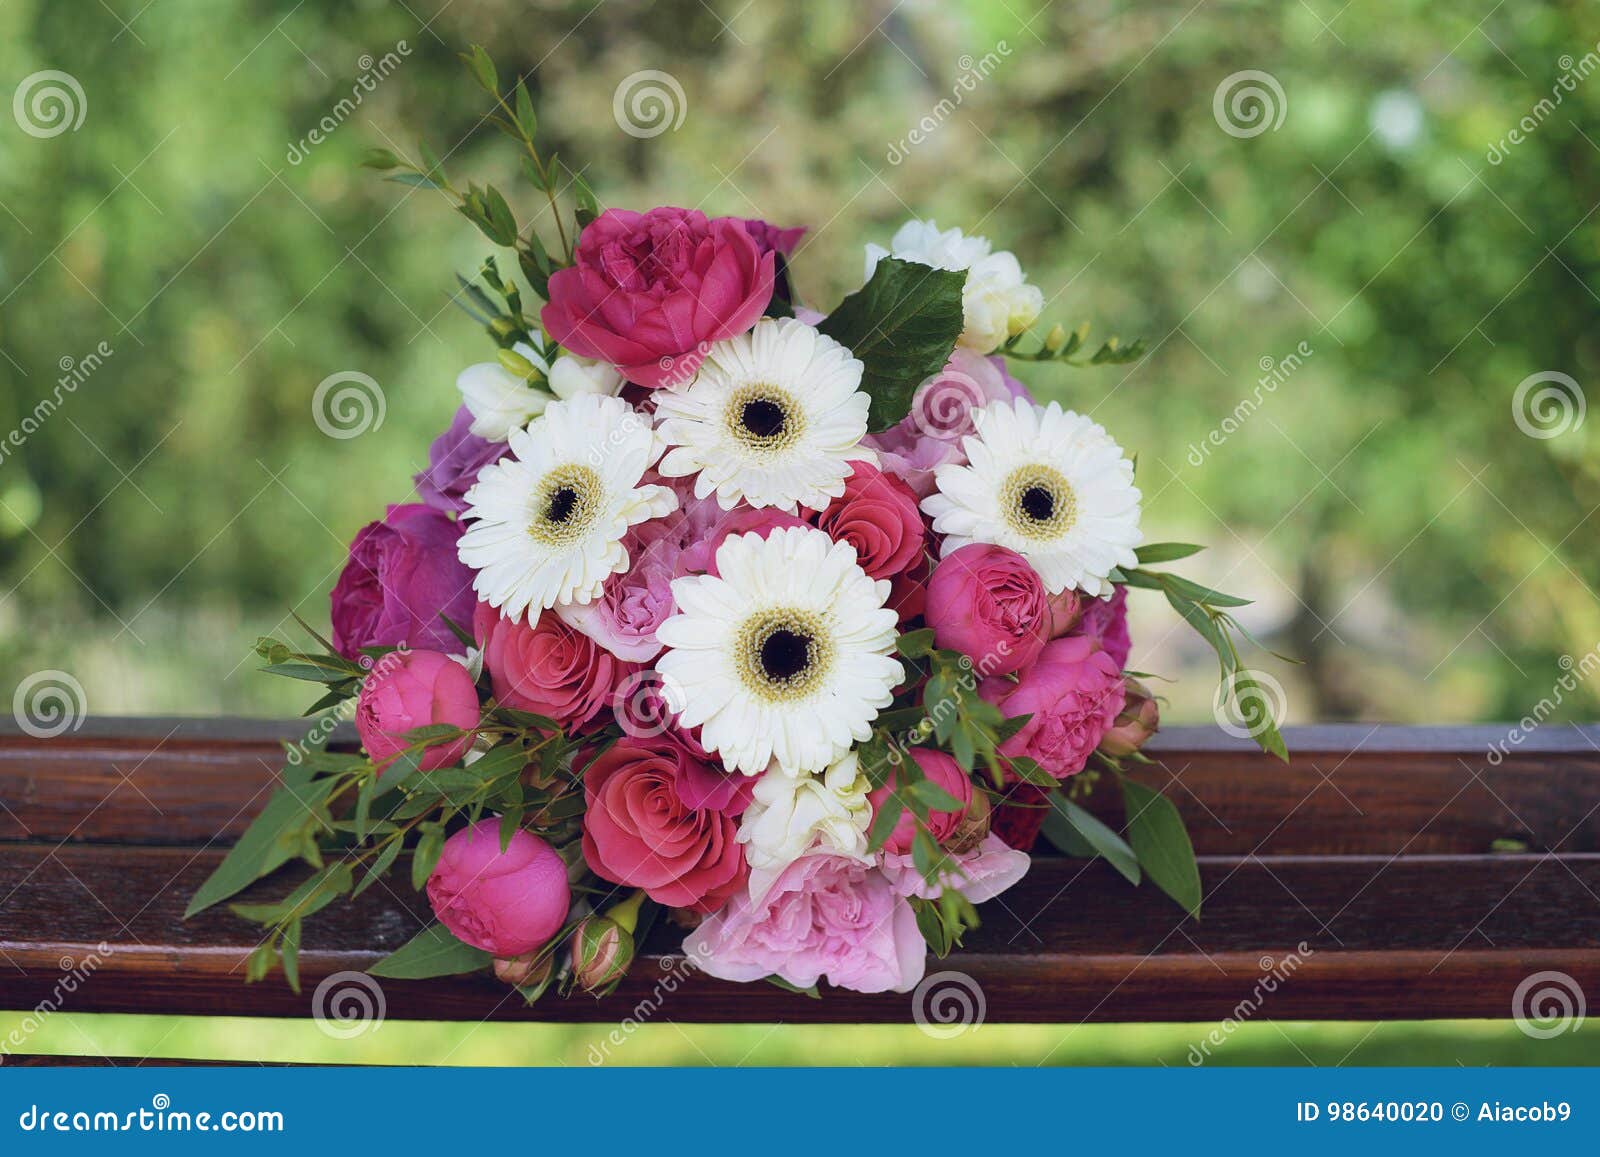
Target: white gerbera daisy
997 300
774 417
784 658
1047 483
546 524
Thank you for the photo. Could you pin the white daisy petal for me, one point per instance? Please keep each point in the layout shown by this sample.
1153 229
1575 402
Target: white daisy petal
773 418
545 526
1047 483
784 664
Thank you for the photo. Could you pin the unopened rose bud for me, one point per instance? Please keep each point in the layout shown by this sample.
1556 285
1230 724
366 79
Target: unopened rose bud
1138 721
525 970
974 825
1065 610
1056 338
602 947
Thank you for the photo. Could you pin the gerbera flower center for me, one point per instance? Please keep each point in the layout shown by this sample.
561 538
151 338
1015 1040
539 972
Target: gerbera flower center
1037 502
764 418
566 504
783 654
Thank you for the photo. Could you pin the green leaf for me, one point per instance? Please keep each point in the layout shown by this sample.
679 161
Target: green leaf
290 951
273 838
915 644
1067 819
482 68
885 821
1156 832
1255 712
526 120
902 325
1166 552
798 991
431 952
426 855
380 159
930 793
382 864
1205 626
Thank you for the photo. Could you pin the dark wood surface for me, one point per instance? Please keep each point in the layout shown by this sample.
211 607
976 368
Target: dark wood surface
1372 851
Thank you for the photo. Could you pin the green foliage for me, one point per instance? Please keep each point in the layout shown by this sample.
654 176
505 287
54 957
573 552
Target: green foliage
431 952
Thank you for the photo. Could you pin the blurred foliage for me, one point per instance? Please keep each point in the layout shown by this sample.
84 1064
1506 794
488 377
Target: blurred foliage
1429 560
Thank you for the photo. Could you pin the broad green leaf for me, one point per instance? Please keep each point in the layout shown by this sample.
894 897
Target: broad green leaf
266 845
1166 552
902 325
1156 832
431 952
1067 820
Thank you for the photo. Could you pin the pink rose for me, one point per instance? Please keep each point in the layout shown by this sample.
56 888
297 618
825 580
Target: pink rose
1105 622
412 689
402 577
912 456
706 524
640 831
988 603
878 515
824 918
979 875
1073 692
648 292
548 669
772 237
944 772
634 602
507 903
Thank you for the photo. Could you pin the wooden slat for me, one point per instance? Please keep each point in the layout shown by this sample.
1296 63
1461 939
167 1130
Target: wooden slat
1413 937
1356 789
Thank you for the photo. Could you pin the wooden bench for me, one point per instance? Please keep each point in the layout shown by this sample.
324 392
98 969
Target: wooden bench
1411 873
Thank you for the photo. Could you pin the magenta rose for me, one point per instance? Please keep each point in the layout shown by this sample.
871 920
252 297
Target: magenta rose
649 292
402 576
825 918
411 689
1073 692
454 459
772 238
1105 623
641 831
549 669
988 603
877 514
506 903
942 771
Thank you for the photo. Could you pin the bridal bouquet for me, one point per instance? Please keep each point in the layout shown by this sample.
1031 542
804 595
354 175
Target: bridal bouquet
796 628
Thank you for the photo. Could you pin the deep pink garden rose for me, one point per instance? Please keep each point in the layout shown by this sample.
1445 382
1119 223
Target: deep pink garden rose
943 771
549 668
824 918
878 515
411 689
640 831
648 292
402 575
1105 622
1073 692
454 459
988 603
508 903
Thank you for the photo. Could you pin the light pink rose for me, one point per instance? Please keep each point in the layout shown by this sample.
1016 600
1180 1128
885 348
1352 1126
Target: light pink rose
413 689
980 875
507 903
634 602
824 918
1073 691
988 603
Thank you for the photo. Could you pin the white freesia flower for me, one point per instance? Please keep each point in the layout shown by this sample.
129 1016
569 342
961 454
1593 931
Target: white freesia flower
500 400
572 375
997 300
546 524
792 815
785 655
774 418
1047 483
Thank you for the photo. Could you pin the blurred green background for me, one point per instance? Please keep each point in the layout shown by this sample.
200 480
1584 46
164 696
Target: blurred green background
1412 527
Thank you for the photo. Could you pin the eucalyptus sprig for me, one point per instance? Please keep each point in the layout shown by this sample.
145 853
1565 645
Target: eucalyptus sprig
1063 347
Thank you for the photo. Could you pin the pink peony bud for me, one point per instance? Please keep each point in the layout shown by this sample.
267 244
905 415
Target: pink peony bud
412 689
1138 720
507 903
